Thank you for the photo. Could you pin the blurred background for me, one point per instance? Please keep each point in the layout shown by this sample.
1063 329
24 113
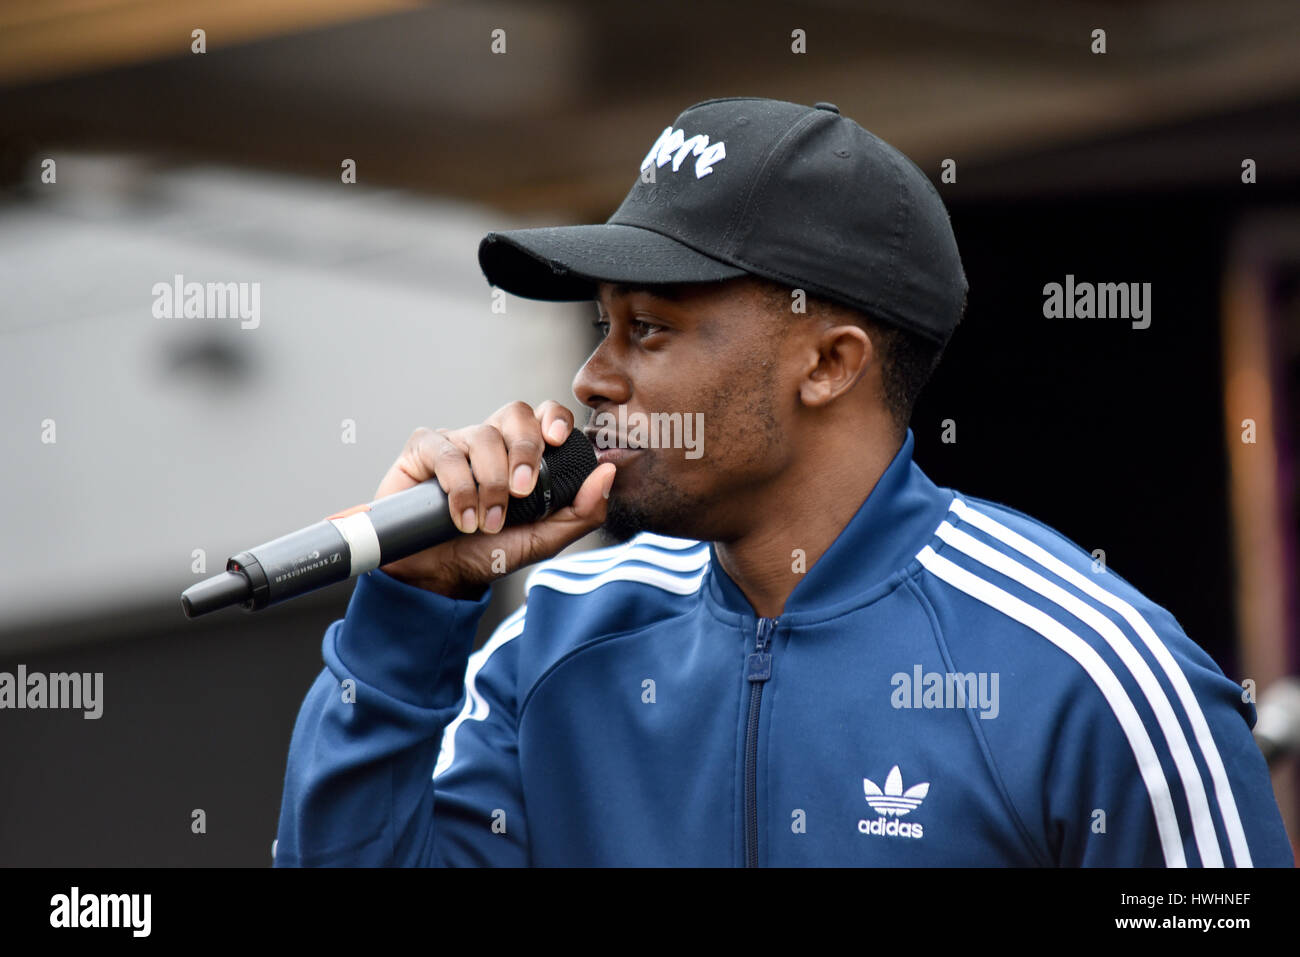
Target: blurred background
141 451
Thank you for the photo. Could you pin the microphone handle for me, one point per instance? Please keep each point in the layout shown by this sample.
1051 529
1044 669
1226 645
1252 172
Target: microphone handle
346 544
363 537
337 548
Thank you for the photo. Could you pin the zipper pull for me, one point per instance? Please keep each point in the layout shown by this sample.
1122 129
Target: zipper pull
758 666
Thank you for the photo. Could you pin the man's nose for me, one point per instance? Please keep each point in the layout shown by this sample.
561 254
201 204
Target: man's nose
601 380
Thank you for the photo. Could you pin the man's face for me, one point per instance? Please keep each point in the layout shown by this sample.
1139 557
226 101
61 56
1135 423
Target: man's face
712 354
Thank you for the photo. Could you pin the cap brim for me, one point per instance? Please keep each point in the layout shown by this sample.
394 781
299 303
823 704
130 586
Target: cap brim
564 263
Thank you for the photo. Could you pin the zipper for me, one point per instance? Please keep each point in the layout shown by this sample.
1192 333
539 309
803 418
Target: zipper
758 668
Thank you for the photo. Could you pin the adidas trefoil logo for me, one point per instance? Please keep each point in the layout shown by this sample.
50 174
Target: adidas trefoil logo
893 800
891 803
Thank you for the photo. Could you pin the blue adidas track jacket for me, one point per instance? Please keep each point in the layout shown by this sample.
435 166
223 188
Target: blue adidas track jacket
950 684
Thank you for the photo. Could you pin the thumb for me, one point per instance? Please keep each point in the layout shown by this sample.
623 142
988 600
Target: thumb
570 523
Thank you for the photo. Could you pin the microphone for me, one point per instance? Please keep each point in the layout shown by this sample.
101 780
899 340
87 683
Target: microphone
1277 720
357 539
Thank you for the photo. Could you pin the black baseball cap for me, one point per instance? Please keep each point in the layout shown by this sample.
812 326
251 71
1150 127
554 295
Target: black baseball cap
748 186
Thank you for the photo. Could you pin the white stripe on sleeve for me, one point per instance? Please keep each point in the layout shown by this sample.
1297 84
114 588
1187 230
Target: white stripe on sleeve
1130 722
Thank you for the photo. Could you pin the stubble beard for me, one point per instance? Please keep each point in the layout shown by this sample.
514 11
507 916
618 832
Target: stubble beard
744 429
659 507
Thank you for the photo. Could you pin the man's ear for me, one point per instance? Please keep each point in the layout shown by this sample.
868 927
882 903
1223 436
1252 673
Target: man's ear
843 356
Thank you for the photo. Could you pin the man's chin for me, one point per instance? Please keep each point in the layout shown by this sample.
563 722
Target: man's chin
625 520
622 523
610 536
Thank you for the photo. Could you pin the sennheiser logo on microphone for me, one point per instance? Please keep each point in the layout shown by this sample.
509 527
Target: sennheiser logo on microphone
179 299
303 569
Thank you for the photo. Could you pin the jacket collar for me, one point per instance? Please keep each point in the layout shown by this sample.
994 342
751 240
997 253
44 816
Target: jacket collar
882 538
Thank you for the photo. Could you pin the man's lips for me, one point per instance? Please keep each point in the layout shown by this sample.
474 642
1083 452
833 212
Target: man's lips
617 453
617 456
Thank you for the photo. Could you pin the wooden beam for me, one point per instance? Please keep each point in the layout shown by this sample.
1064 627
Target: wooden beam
45 39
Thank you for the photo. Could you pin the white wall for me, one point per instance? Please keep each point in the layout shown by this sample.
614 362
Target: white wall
373 308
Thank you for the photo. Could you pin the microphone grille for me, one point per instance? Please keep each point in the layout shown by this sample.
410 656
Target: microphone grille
567 467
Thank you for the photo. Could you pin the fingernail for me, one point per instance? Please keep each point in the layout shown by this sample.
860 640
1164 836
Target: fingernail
468 521
609 483
520 481
495 517
558 430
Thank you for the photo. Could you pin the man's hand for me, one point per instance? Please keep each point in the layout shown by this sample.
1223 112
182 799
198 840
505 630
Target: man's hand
480 467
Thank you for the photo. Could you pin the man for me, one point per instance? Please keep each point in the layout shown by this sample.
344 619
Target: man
803 652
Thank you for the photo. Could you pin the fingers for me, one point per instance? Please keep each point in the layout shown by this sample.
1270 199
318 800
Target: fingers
555 420
587 504
526 433
481 466
488 462
471 466
444 455
521 431
416 463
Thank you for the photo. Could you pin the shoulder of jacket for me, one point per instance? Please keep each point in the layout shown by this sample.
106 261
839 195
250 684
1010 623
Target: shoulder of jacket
1028 572
1033 542
1129 684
